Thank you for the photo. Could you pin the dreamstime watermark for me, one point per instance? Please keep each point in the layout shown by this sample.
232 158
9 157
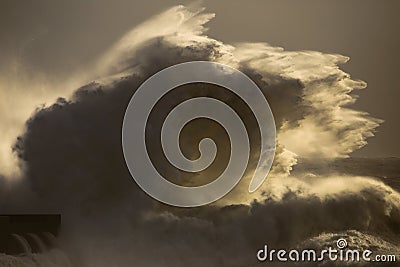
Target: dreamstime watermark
155 88
337 253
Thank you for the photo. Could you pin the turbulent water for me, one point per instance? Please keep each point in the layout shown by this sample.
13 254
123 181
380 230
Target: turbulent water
108 221
53 258
355 239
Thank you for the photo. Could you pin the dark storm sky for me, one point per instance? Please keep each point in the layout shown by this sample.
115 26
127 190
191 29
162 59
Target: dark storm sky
60 37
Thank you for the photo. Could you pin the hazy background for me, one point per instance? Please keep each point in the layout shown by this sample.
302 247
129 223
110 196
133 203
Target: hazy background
55 39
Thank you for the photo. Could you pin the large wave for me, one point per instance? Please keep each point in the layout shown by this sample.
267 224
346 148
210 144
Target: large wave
72 160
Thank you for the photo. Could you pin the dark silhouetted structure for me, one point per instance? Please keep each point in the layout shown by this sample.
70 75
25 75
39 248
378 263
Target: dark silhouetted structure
28 233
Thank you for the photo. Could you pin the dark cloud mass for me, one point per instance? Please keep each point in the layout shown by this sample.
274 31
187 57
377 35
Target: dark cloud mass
72 160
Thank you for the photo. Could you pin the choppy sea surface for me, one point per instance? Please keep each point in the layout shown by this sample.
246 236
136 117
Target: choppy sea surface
52 258
387 170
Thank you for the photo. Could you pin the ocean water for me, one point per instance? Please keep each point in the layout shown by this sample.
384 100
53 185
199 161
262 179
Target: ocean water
52 258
